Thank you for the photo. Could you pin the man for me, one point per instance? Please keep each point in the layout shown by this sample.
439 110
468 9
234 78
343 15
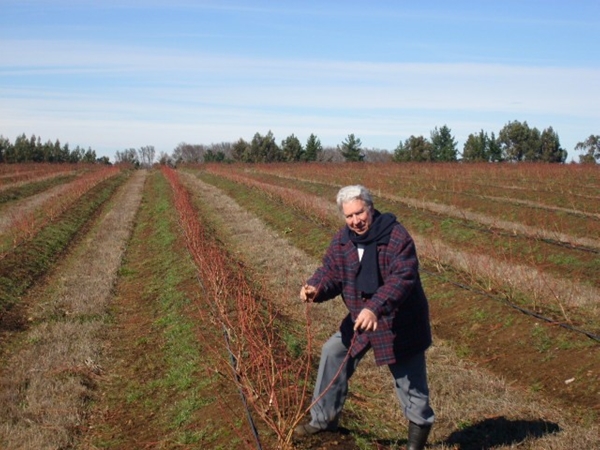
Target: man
372 264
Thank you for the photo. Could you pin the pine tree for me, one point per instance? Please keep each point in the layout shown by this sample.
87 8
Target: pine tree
443 144
313 148
351 149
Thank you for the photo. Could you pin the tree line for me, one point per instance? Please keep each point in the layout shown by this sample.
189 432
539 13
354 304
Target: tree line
516 142
32 149
142 157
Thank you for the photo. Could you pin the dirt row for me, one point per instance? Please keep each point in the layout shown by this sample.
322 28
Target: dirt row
508 263
460 384
478 401
29 205
461 205
51 363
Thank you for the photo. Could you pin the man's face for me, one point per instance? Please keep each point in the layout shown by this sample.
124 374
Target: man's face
358 216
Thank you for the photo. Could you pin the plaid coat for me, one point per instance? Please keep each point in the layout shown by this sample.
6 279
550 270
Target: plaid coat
400 304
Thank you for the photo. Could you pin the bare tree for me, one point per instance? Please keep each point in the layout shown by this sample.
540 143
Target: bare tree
165 159
146 155
376 155
189 153
330 154
224 148
127 156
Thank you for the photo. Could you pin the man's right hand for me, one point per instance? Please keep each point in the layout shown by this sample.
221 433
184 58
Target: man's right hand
308 293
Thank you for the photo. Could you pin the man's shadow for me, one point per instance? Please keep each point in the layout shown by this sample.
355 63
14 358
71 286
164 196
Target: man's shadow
499 431
491 433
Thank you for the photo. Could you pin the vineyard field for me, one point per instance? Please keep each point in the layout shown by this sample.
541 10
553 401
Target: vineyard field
159 308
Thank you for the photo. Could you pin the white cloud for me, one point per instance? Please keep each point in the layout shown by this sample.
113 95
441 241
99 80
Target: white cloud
111 96
143 75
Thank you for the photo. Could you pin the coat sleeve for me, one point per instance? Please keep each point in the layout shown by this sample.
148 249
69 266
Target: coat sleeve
400 275
328 278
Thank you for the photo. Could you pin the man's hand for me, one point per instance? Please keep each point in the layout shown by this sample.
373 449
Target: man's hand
308 293
366 321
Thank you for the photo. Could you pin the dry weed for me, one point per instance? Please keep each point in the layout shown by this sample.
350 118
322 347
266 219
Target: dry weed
51 375
463 394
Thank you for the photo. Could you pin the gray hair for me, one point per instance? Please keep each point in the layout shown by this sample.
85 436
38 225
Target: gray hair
354 192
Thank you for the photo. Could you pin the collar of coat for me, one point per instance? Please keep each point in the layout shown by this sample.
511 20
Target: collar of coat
379 231
368 278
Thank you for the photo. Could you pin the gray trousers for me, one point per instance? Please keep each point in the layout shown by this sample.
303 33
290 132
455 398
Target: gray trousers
410 382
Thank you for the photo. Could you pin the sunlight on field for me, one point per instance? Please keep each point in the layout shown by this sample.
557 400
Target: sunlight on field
509 257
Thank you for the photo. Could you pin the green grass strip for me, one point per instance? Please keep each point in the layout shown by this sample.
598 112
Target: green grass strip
177 388
20 268
469 235
33 188
294 225
315 241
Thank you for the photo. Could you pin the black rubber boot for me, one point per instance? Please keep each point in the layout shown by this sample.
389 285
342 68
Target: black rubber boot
417 436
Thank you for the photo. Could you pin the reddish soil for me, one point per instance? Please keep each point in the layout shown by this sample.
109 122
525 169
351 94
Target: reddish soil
537 355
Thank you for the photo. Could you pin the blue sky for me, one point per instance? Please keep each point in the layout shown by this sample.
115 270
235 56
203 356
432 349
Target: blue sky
112 75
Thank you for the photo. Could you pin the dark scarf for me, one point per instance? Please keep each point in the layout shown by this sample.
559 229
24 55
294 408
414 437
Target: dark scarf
368 278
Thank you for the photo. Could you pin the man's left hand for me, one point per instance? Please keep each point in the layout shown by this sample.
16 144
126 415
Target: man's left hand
366 321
